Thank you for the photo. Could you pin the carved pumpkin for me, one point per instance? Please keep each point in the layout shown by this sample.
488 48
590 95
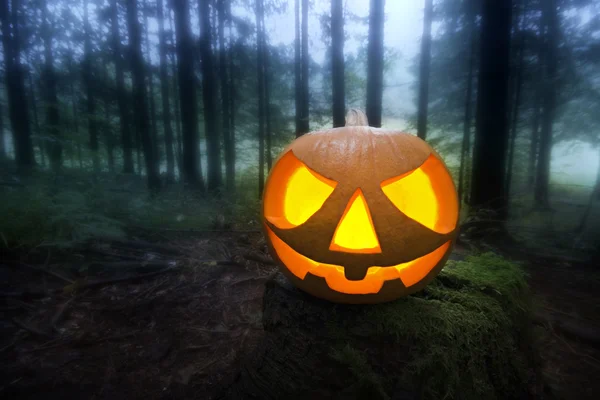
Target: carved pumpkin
359 214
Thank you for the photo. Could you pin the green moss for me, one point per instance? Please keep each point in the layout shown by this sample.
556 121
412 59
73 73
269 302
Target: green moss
367 381
464 331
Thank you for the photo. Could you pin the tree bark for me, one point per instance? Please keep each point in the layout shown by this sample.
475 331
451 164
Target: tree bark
214 177
597 186
266 79
124 120
139 95
164 89
491 132
15 85
224 73
52 113
178 130
37 129
88 80
337 63
137 141
535 127
517 99
177 110
74 111
595 195
3 151
550 18
465 152
424 70
534 143
304 119
232 103
297 71
375 63
192 173
150 78
261 95
108 133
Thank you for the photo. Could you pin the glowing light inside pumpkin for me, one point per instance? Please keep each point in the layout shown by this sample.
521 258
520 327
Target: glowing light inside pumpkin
304 194
426 195
410 272
355 232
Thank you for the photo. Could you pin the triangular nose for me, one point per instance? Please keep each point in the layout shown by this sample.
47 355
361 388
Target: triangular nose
355 232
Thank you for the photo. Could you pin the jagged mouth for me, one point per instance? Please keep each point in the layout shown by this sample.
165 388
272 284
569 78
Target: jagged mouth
409 273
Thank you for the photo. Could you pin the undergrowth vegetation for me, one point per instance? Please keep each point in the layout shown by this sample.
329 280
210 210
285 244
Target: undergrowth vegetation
76 208
34 216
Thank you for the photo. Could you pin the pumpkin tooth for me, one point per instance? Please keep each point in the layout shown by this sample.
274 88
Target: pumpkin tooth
355 273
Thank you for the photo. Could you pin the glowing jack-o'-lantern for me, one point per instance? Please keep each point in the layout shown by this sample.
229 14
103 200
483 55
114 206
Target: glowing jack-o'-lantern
359 214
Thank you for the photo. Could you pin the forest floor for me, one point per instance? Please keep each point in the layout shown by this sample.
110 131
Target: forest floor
172 316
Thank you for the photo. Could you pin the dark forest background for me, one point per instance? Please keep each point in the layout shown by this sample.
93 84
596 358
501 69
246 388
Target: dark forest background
193 101
135 140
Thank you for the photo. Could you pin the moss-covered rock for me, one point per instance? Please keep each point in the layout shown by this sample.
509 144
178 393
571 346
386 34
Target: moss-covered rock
466 336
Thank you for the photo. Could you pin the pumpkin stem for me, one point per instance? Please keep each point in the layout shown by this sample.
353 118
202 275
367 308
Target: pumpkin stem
356 117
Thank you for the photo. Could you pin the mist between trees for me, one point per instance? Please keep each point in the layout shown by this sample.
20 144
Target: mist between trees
202 92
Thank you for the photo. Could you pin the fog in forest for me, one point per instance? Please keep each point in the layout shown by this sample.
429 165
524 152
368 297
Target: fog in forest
141 148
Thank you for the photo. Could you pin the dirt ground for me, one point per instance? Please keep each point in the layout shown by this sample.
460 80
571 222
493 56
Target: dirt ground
569 294
173 318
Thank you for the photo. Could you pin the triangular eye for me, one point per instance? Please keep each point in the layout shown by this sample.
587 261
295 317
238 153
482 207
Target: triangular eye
294 193
426 195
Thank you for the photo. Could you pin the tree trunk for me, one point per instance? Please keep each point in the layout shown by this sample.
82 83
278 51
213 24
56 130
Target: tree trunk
3 151
550 18
124 120
232 94
595 195
192 173
108 133
36 86
517 99
261 95
15 86
297 71
224 73
164 90
535 127
179 145
424 70
491 132
375 63
177 109
139 94
337 63
213 148
597 186
88 80
36 119
535 135
151 103
304 119
52 113
178 130
267 92
138 147
465 152
310 348
74 111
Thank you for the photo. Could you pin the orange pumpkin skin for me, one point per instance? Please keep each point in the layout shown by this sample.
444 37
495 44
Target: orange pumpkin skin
359 214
